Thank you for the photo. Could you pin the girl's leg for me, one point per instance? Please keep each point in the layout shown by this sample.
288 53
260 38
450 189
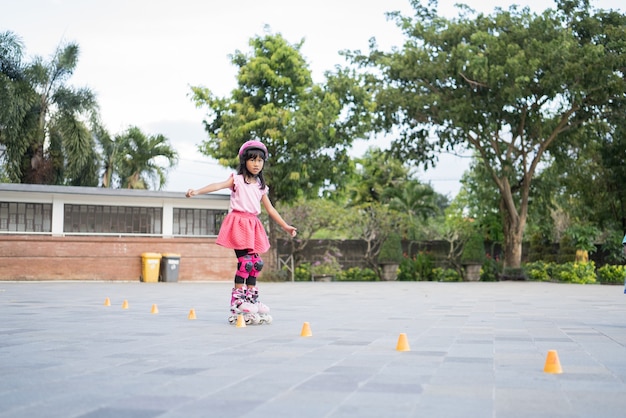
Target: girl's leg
244 267
253 291
239 303
255 269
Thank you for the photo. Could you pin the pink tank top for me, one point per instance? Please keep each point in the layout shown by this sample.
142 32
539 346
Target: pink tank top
246 197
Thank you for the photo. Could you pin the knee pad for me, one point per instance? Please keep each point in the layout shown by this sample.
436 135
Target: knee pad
257 265
244 266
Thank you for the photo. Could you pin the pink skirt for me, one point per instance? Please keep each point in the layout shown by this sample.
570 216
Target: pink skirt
243 231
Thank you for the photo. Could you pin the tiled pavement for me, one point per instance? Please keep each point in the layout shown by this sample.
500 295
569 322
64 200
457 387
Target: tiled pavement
476 350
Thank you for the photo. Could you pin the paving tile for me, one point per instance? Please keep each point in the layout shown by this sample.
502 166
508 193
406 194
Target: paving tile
476 349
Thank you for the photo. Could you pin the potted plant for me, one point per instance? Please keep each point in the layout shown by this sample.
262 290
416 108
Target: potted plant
390 257
473 257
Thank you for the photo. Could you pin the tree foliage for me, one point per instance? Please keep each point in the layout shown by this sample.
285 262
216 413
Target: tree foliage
44 122
508 86
379 178
307 128
50 132
591 190
142 160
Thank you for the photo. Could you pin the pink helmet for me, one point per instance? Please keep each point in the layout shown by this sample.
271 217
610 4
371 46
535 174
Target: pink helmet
253 145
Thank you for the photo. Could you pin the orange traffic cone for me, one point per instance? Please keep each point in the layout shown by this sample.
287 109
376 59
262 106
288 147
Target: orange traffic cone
107 302
553 365
154 309
125 304
192 314
403 343
306 330
241 323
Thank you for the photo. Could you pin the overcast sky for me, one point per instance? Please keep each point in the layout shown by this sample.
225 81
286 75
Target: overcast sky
141 56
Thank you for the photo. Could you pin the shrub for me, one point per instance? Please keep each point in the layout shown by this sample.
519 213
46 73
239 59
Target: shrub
303 272
490 269
446 275
474 250
418 268
406 270
538 271
611 274
613 248
581 273
356 274
391 250
327 266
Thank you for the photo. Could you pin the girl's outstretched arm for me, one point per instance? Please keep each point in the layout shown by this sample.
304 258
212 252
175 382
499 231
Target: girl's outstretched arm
273 213
213 187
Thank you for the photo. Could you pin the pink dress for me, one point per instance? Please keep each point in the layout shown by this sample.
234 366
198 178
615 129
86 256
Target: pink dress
242 229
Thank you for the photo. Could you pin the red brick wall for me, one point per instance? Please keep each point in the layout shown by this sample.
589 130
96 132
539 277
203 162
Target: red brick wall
38 257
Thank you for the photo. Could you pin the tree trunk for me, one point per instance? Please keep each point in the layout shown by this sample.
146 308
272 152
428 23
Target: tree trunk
513 225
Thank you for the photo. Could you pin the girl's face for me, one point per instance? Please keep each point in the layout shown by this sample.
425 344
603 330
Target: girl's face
254 165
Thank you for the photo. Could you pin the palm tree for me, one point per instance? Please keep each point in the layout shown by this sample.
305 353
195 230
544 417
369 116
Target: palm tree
109 149
139 157
378 178
43 128
416 201
17 98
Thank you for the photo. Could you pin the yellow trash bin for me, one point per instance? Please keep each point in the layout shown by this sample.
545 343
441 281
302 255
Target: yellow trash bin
150 263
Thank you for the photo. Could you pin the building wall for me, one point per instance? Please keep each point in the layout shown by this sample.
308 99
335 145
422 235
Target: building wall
50 253
33 257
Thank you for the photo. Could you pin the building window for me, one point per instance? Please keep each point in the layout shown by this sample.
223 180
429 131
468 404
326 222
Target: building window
25 217
112 219
197 221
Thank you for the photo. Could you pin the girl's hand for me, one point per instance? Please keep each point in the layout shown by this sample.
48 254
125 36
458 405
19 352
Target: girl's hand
190 193
291 230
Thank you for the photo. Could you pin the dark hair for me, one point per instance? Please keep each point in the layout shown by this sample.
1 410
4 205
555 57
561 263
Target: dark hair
248 155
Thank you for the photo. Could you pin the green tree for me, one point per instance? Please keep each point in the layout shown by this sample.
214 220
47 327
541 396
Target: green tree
456 229
44 124
591 190
109 152
142 160
314 217
16 99
416 201
379 178
373 222
307 128
507 85
480 199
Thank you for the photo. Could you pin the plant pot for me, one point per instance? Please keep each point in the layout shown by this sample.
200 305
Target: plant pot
322 278
472 272
390 271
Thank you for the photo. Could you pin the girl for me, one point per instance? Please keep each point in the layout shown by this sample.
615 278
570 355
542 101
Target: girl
242 230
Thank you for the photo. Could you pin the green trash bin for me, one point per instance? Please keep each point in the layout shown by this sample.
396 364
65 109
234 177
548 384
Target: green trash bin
170 264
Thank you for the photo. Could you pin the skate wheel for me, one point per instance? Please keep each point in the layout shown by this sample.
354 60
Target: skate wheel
252 319
265 319
232 320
